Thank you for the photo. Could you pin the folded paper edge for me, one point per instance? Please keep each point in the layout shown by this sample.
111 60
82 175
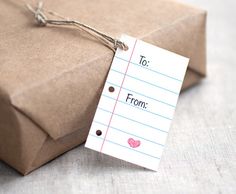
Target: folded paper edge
201 13
33 164
17 117
49 142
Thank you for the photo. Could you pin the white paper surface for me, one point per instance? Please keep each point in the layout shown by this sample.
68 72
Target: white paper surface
132 122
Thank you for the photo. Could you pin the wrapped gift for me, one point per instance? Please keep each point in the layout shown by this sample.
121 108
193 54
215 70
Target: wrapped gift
51 77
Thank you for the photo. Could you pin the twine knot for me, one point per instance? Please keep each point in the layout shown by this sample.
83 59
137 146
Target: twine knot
39 16
121 45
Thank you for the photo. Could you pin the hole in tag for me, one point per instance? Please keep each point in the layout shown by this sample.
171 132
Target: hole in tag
98 132
111 89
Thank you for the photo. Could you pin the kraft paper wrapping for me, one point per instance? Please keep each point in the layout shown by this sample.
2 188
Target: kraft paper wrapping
51 78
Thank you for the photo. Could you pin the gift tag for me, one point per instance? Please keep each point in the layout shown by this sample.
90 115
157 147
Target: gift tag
137 104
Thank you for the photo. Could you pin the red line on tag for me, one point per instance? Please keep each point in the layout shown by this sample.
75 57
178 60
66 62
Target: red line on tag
118 96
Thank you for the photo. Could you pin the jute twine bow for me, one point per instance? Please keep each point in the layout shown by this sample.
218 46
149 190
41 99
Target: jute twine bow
42 20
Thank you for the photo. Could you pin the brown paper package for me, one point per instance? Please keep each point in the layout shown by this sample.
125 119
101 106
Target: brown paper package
51 78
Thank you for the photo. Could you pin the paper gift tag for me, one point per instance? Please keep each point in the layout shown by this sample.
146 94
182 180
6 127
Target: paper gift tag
137 104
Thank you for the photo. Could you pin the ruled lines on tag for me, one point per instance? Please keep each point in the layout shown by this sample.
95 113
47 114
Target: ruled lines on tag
137 104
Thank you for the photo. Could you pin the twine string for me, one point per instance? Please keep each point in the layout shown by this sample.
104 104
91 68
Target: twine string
42 20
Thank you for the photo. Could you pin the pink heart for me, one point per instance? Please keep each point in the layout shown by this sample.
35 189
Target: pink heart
134 143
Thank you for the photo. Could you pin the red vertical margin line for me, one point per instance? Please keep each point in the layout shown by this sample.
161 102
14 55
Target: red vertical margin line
118 96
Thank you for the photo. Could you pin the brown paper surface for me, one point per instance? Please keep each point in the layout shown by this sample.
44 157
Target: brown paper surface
51 78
